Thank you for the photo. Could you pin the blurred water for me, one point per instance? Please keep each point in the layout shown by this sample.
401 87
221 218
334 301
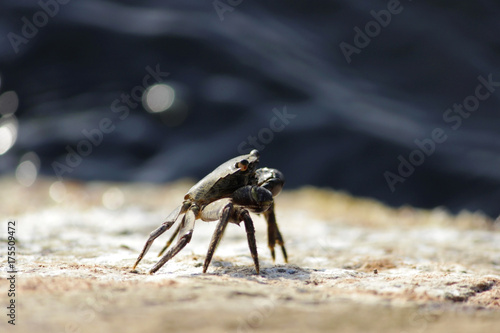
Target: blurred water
82 75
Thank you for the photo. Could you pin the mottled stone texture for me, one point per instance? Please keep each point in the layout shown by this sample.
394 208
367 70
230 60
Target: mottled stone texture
355 265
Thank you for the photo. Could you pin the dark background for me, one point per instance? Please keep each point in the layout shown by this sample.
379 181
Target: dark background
352 120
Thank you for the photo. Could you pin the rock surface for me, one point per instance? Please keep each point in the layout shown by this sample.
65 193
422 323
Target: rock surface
355 265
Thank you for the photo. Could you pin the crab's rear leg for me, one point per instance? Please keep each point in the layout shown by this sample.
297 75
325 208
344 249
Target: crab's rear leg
160 230
273 233
170 240
185 234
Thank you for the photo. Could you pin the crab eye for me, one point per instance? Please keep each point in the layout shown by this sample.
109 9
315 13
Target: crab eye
242 165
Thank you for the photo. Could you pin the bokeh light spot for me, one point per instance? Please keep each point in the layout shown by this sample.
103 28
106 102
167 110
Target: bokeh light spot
8 103
8 133
158 98
113 198
27 170
57 191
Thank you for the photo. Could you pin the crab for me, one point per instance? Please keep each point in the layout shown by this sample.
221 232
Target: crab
227 194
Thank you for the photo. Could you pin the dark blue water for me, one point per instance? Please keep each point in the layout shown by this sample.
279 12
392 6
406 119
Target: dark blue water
262 75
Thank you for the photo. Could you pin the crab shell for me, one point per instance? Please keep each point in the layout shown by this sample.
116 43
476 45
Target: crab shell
225 179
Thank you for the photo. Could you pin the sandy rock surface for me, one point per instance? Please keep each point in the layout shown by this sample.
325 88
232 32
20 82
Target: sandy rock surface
354 265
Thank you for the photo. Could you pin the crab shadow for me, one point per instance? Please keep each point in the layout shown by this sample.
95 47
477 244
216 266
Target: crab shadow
267 272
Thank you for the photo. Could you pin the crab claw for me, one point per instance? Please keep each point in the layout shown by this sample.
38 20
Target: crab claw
254 198
270 179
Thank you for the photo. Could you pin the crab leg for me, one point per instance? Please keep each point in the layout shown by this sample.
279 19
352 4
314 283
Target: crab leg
251 238
185 234
273 233
219 231
226 212
160 230
170 240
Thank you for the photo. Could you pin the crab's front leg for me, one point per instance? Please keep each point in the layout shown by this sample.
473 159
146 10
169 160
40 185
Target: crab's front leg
273 181
225 211
274 234
221 210
250 229
259 199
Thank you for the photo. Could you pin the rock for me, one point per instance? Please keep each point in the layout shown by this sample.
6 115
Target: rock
355 265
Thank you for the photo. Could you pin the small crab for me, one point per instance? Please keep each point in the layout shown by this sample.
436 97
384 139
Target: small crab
226 194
